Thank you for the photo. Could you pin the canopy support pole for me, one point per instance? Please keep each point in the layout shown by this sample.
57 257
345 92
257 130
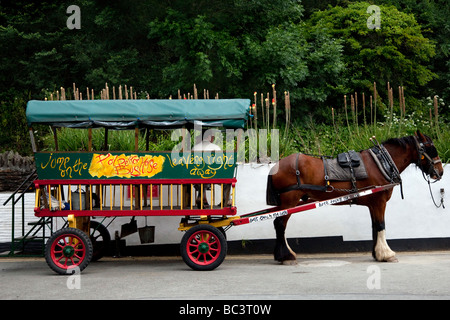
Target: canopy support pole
105 146
90 139
55 137
33 142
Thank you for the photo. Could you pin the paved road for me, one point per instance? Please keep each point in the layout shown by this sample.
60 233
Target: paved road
423 275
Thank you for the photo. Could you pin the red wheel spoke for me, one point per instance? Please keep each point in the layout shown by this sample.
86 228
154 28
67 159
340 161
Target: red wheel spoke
193 246
194 251
203 247
58 251
72 242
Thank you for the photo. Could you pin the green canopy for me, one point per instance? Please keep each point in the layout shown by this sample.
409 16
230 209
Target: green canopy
123 114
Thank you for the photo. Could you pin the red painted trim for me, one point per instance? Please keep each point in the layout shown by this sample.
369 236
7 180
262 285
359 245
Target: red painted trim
239 222
228 211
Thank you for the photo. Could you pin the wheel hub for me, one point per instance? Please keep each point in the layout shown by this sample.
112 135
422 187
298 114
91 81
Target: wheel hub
68 251
203 247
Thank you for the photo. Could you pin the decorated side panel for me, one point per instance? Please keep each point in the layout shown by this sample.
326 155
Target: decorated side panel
135 165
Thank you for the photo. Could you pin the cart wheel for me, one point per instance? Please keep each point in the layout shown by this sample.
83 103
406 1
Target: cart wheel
203 247
100 238
67 249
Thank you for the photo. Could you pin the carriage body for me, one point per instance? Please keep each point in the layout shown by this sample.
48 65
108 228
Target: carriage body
132 184
80 185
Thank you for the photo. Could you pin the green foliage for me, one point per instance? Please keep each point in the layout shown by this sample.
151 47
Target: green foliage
265 47
397 52
343 135
433 18
13 126
195 53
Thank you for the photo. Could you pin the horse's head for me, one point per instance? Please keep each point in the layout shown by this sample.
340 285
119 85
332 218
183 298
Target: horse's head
428 159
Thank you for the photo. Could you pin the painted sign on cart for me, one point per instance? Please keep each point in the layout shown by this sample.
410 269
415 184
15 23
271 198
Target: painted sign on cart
125 166
137 165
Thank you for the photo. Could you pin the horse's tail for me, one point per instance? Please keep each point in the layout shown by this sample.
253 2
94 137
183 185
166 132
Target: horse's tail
272 194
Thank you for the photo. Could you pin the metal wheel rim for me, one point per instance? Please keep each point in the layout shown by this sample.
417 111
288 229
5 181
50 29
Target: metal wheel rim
68 251
203 248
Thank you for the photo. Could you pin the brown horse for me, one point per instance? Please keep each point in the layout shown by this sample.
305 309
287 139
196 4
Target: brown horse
299 178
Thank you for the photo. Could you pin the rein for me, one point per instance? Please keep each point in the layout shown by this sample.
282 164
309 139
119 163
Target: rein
431 193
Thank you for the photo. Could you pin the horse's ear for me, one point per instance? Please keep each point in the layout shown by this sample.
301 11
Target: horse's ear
420 135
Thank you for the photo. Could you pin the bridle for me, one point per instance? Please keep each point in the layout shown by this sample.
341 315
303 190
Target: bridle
422 148
422 153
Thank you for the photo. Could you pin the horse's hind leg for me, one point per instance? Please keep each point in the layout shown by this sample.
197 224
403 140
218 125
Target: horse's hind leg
381 250
283 252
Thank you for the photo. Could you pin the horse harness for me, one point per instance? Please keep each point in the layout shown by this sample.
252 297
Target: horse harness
381 157
385 163
300 186
423 148
350 160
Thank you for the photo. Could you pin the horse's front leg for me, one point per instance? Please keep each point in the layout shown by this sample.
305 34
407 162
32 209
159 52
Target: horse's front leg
283 253
381 250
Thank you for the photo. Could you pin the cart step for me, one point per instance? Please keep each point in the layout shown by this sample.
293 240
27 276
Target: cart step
25 238
38 223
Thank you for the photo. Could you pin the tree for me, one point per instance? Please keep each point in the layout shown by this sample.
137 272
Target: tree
396 52
268 44
433 18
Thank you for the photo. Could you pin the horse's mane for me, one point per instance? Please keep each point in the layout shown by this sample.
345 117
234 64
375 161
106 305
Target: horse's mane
401 142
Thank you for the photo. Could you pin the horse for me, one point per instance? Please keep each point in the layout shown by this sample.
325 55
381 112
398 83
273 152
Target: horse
300 178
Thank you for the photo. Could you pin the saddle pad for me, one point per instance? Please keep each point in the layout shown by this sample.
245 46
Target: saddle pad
337 173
